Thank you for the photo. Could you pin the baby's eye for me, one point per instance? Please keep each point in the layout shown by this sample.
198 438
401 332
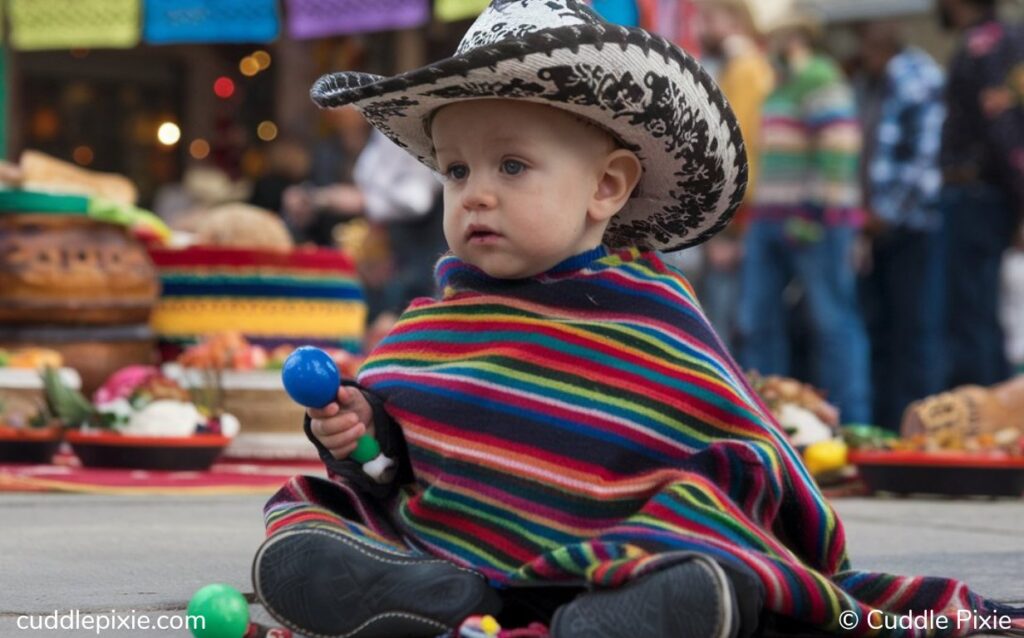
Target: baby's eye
512 167
457 172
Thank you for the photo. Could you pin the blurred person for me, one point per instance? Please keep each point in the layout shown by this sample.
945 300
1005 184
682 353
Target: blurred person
983 171
400 193
902 114
732 35
805 221
314 208
287 163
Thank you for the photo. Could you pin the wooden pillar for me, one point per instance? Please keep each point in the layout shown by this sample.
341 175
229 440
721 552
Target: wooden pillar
410 49
295 72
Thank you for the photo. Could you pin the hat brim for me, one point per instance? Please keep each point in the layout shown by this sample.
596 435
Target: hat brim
656 99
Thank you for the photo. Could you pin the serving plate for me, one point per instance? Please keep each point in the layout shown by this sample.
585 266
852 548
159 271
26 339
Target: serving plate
945 473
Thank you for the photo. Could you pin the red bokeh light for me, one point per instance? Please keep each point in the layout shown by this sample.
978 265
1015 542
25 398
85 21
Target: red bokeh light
224 87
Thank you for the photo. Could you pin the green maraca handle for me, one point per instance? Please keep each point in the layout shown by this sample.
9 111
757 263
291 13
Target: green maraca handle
377 466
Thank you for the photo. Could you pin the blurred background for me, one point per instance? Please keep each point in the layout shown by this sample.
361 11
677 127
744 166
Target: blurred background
875 258
227 94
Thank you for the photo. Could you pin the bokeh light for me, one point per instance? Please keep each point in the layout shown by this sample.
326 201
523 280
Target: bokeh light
199 149
223 87
266 130
44 124
262 58
248 66
168 134
83 155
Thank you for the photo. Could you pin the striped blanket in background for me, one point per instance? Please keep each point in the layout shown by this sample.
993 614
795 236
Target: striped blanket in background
586 426
307 296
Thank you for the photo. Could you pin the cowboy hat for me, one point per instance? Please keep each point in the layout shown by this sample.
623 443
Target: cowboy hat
654 98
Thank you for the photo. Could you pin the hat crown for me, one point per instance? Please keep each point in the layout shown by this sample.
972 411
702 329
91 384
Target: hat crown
513 19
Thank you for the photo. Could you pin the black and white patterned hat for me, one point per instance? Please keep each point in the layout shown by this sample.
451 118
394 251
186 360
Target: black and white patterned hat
655 98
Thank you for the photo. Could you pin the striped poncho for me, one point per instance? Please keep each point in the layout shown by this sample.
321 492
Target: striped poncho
586 426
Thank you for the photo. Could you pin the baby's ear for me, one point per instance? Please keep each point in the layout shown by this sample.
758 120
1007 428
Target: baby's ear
615 184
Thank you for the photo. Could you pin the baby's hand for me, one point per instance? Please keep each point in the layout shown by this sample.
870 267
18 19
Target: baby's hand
339 425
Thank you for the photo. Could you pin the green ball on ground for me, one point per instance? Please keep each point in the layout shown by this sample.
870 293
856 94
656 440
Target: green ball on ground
225 610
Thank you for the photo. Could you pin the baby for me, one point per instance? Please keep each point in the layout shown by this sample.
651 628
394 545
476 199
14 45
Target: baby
574 446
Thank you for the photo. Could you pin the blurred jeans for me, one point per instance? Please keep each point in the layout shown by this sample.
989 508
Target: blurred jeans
902 301
719 293
824 268
979 224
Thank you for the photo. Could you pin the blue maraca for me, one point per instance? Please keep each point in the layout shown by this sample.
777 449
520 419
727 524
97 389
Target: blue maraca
311 379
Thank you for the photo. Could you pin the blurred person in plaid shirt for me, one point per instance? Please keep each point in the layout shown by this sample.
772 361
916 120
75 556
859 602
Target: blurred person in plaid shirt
983 169
901 105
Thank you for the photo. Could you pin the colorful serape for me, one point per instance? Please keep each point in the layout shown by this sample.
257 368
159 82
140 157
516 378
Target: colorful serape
586 426
302 297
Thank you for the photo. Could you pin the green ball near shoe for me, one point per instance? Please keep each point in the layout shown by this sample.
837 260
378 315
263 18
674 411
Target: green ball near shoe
224 609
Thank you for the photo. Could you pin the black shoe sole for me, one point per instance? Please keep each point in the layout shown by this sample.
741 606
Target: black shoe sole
328 585
692 600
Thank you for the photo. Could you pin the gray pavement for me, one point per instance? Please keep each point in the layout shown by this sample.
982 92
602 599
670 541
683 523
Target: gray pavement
101 553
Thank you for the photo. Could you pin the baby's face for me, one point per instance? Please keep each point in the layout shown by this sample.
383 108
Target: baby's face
518 181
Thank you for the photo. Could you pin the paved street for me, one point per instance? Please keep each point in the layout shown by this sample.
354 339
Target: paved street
100 553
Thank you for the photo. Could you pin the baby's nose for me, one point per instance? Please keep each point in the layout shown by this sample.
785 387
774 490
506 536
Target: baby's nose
479 194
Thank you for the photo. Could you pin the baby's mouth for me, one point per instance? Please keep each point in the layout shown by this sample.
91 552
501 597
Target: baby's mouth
481 235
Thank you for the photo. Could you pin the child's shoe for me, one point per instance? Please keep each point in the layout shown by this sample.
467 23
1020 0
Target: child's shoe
692 600
322 583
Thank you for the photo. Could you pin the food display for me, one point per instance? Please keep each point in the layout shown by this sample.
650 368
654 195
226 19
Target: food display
30 359
75 276
810 422
231 351
137 400
28 433
968 419
966 442
140 418
92 283
801 410
247 382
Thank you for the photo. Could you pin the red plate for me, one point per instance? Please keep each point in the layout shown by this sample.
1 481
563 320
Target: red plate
185 453
947 473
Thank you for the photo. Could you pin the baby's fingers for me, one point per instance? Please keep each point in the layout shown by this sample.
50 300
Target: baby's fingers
334 425
325 412
348 396
343 443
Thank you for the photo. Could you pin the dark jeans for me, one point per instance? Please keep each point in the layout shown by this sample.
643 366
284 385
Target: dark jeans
979 224
902 301
824 269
